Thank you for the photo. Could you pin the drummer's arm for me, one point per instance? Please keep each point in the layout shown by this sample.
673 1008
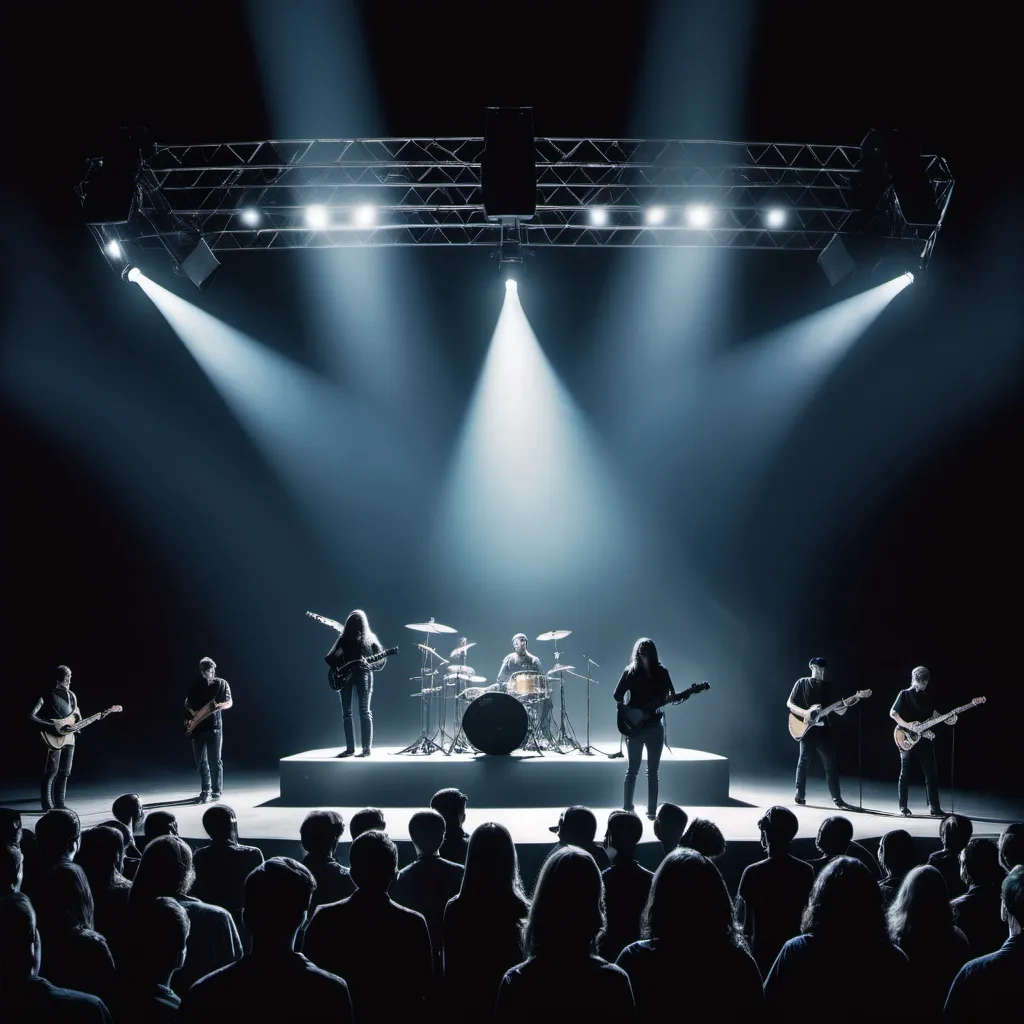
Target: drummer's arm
502 676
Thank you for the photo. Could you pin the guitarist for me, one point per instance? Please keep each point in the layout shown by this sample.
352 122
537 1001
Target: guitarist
648 683
356 641
58 702
810 694
208 735
911 706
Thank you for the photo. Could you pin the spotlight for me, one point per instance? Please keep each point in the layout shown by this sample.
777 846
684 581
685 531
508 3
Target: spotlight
365 216
775 217
316 216
909 276
114 250
132 274
599 216
655 214
510 285
250 216
699 216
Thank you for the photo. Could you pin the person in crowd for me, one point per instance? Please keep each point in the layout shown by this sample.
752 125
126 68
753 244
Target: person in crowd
320 833
955 831
451 805
773 892
127 809
157 933
897 855
223 866
25 996
101 857
835 839
58 833
843 923
11 869
921 924
1011 846
692 950
74 954
429 882
626 884
129 864
364 937
157 824
562 972
482 925
276 901
669 826
166 870
990 986
366 820
977 912
705 837
10 827
577 826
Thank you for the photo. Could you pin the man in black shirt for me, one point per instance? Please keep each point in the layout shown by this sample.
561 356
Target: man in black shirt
208 736
57 703
913 706
810 694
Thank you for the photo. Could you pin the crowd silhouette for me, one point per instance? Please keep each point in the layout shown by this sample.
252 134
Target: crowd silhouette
124 922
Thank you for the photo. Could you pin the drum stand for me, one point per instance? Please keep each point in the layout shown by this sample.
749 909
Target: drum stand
459 742
531 741
424 744
588 749
564 739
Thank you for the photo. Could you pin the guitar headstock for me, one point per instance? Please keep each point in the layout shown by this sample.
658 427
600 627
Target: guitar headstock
978 700
700 687
863 694
115 708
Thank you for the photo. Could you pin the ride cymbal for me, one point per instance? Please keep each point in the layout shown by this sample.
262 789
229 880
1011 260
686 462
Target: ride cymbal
555 634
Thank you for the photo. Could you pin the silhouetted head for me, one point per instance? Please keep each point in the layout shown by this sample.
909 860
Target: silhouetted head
58 833
62 675
101 856
157 931
128 810
834 836
779 827
818 667
1011 846
165 870
451 805
426 830
10 827
492 866
277 898
705 837
1013 895
357 628
921 911
19 940
644 657
567 915
845 905
670 824
979 863
920 678
369 818
955 831
159 823
689 904
11 863
576 826
373 861
63 901
897 853
625 830
320 832
221 824
208 669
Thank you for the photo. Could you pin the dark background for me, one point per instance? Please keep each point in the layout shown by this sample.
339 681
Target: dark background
145 529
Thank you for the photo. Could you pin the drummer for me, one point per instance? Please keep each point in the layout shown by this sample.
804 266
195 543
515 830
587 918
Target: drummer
520 660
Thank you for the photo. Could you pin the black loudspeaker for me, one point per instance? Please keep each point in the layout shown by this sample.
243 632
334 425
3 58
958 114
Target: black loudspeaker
111 187
892 156
508 172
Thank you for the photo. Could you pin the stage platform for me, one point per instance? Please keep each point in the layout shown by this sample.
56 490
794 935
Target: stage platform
387 778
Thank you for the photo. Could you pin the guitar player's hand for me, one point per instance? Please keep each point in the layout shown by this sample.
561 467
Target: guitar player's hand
65 729
952 721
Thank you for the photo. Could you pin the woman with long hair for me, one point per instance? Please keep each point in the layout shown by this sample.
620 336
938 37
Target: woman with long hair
101 857
921 924
646 682
897 854
356 642
562 973
845 942
692 951
481 931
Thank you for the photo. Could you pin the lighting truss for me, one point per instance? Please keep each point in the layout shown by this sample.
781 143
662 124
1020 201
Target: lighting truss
427 192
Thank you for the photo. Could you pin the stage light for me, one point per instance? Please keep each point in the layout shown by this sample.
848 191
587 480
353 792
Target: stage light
909 276
316 217
699 215
510 285
365 215
599 216
250 216
133 275
114 250
655 214
775 217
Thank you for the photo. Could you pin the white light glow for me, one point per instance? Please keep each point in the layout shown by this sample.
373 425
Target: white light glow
316 217
699 215
134 275
909 276
775 217
655 214
510 285
114 250
365 215
599 216
250 216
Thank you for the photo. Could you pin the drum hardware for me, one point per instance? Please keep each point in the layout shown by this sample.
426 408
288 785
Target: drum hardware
564 738
462 680
426 743
588 749
424 693
496 723
460 651
424 647
429 627
460 670
456 676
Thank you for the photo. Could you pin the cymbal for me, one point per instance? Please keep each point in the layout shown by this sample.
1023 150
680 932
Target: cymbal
472 679
460 651
561 668
555 634
430 627
430 650
460 670
423 693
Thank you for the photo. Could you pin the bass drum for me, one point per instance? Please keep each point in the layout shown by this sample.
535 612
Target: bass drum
495 723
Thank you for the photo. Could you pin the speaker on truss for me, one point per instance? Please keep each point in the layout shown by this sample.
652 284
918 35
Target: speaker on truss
508 171
909 175
109 191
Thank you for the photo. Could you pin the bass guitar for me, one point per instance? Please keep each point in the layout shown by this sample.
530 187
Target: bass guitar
906 738
204 712
65 728
340 676
798 726
630 718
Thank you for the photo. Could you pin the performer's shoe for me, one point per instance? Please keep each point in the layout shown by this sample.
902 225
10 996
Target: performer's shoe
214 797
364 753
204 798
652 815
799 800
938 812
843 805
346 753
906 812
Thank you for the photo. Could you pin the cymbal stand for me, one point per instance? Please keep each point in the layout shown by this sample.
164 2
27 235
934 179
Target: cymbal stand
459 743
565 737
424 744
590 750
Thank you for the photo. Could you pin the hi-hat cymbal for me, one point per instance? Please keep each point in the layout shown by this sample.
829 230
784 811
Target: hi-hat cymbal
555 634
561 668
469 679
460 651
460 670
430 627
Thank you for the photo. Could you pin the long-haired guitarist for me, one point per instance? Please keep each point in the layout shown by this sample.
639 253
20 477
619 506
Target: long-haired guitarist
59 702
648 683
914 705
207 697
359 644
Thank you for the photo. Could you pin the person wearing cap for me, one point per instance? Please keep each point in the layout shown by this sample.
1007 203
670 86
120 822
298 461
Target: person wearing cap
811 693
577 826
520 660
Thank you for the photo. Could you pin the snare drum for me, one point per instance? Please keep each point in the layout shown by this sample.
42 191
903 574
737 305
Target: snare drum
528 686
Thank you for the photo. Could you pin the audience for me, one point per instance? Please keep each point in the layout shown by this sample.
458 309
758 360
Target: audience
128 811
1011 846
773 892
10 827
11 867
277 895
58 833
835 839
921 924
363 938
577 826
482 925
692 951
977 912
705 837
897 855
320 833
25 997
223 866
451 805
626 884
157 824
844 960
987 988
669 826
101 856
166 870
955 832
366 820
562 973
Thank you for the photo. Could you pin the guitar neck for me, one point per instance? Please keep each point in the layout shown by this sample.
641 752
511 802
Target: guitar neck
939 719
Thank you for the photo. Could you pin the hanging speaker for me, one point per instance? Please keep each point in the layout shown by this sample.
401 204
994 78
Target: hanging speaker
508 171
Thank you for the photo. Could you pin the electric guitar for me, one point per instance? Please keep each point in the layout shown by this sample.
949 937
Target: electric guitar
798 726
204 712
344 675
630 718
906 738
65 728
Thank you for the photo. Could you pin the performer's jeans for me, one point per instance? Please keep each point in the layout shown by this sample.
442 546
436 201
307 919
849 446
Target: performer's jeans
924 753
363 686
651 736
817 738
207 748
55 776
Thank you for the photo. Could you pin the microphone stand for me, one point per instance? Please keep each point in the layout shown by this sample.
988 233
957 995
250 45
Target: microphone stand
952 767
590 750
860 763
